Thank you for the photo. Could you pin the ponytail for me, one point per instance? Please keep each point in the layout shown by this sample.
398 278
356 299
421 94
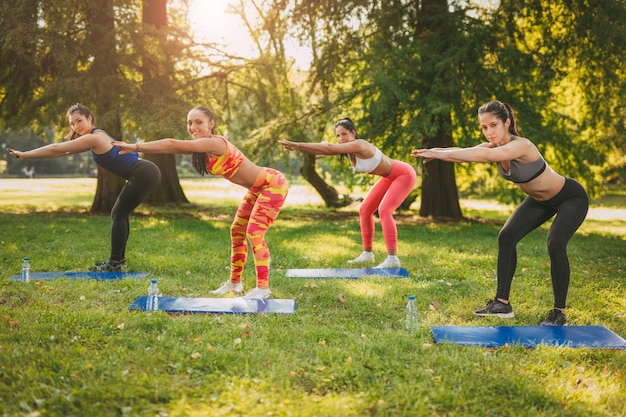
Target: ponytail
198 162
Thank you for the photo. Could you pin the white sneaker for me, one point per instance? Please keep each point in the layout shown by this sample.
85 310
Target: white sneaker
258 293
362 258
389 263
229 287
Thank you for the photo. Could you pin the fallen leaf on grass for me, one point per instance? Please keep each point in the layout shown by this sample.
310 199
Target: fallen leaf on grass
427 345
237 341
196 355
434 305
82 298
196 340
343 298
120 326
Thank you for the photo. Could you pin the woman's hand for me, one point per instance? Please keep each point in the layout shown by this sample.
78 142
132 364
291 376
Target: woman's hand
18 154
126 147
426 154
290 146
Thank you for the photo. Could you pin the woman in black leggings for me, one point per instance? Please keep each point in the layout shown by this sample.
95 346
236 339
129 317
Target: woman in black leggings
548 194
142 176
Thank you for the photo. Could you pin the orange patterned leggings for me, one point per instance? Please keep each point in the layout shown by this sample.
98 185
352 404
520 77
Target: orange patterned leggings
257 211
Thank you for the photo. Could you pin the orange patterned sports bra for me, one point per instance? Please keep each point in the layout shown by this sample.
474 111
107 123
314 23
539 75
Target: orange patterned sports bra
225 165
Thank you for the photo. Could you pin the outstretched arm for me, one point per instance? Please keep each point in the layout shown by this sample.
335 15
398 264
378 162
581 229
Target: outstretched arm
485 152
324 148
212 144
55 150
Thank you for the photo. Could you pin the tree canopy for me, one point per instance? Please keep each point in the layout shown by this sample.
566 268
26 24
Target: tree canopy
410 73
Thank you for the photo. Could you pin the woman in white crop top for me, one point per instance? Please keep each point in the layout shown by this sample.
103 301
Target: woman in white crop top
397 181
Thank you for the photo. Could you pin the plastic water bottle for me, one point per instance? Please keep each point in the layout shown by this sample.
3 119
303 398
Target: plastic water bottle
152 304
25 277
411 315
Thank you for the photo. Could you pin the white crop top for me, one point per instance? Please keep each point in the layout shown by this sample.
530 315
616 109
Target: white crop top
369 164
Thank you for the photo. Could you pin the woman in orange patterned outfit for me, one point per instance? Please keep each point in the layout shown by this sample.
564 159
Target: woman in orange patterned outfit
267 190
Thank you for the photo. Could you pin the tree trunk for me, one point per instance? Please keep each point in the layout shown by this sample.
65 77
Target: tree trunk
170 190
440 196
102 78
156 70
329 194
108 188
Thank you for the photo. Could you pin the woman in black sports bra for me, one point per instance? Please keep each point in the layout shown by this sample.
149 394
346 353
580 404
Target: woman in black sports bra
548 194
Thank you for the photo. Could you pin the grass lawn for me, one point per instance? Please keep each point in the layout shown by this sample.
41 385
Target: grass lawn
72 348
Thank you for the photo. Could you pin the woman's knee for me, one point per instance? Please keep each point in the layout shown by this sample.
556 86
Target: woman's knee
557 244
508 237
367 210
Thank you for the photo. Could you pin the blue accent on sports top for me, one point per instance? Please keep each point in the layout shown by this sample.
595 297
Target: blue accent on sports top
114 162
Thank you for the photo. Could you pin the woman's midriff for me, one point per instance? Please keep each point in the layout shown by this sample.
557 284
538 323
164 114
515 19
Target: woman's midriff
384 168
247 174
545 186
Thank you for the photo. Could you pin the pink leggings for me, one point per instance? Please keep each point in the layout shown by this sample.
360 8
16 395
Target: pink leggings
386 196
257 211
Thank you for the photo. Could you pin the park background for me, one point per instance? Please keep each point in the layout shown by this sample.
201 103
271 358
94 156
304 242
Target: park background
411 74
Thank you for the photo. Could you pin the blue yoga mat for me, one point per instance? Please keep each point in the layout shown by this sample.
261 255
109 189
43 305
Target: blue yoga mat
98 276
347 273
238 305
529 336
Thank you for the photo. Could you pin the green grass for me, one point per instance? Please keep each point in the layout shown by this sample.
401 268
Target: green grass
72 348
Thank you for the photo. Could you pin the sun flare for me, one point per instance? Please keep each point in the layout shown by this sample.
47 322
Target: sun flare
210 21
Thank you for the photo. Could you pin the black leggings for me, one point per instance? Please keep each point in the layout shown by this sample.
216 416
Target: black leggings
570 206
144 178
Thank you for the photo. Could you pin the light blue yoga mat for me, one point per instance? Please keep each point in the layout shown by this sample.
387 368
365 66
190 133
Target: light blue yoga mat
98 276
529 336
238 305
352 273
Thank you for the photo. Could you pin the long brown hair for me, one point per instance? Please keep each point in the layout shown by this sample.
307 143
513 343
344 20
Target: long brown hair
198 159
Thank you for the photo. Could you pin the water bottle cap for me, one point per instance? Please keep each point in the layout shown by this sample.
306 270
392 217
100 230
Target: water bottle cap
411 297
153 281
26 258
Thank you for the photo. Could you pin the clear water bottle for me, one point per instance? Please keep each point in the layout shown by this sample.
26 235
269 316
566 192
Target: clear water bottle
152 304
411 315
25 277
